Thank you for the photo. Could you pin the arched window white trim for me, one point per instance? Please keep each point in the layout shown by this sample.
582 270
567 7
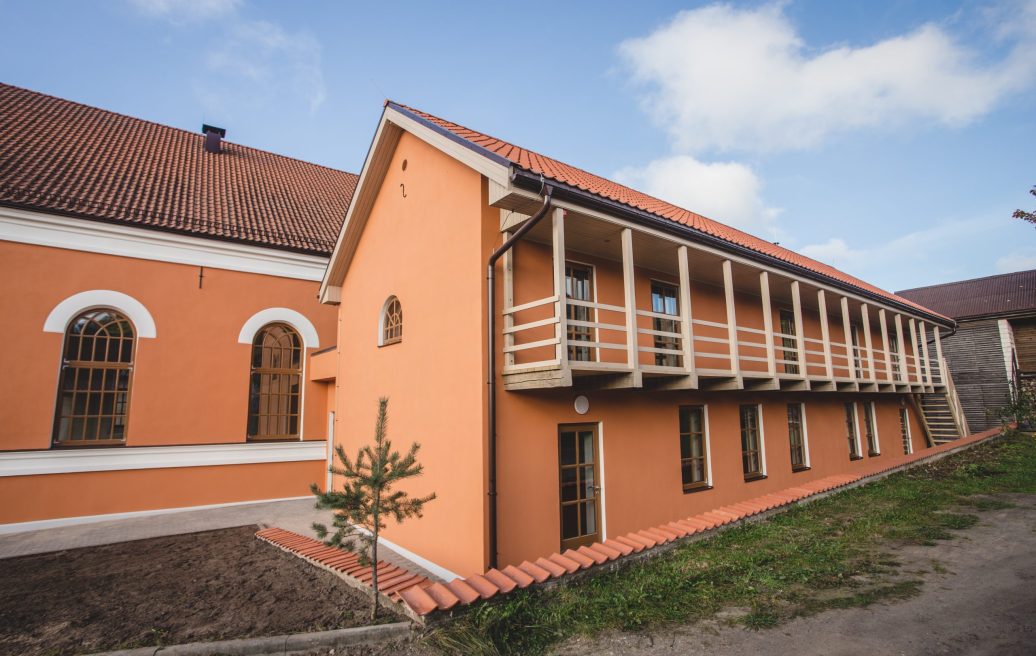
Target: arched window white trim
296 320
391 304
68 309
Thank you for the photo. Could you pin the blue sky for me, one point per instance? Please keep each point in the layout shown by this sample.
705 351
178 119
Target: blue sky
892 139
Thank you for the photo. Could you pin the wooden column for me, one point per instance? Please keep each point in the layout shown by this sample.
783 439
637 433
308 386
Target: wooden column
847 326
632 350
686 316
800 339
913 347
764 292
728 293
868 349
938 355
904 373
508 265
924 354
824 333
561 330
885 342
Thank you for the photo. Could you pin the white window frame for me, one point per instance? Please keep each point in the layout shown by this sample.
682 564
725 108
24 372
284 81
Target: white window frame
869 405
70 308
708 444
856 432
904 416
381 320
807 463
762 440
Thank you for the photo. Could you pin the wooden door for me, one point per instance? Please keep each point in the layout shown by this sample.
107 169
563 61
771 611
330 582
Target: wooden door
580 485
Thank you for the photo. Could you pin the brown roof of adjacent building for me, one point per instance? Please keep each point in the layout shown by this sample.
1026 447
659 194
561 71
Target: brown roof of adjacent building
578 178
1003 295
68 158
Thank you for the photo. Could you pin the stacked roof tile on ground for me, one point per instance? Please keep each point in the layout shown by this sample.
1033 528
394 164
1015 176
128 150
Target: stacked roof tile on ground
424 596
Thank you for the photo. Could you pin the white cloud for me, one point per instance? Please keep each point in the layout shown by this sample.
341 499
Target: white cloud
724 78
259 62
1016 261
948 251
186 10
725 191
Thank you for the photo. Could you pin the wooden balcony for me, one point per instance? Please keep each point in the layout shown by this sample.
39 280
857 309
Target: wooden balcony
728 325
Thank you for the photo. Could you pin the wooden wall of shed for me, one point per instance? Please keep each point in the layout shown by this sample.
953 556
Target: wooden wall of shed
1025 344
976 360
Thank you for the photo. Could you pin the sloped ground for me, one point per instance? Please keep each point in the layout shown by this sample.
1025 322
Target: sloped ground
214 585
851 550
978 597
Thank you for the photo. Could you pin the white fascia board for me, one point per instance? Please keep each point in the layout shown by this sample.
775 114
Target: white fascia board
56 231
67 461
370 182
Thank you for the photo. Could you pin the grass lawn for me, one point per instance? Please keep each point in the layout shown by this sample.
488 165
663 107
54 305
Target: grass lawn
835 552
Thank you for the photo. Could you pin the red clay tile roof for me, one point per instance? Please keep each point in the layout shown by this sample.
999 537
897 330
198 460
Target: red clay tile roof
1007 294
63 157
594 184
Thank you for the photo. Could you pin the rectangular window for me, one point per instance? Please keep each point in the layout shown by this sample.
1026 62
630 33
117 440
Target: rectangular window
870 428
663 301
788 347
850 429
904 429
694 448
751 443
894 353
797 437
579 286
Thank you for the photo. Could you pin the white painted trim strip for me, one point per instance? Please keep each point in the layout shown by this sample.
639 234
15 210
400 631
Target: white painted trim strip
67 461
41 524
296 320
63 313
42 229
438 570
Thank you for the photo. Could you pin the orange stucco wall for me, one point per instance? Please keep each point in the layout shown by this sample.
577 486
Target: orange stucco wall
190 383
50 496
424 249
429 248
641 463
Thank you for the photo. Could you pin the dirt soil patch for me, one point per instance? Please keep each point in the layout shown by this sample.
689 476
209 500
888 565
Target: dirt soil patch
215 585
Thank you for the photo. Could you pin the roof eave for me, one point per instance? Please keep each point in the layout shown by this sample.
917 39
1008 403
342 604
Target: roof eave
531 182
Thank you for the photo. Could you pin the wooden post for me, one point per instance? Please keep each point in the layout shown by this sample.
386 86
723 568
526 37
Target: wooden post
824 334
764 292
913 347
867 345
924 354
686 316
728 292
800 338
561 330
508 301
885 343
632 346
938 355
850 352
904 374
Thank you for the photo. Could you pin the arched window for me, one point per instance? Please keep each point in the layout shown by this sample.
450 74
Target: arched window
391 322
275 387
94 387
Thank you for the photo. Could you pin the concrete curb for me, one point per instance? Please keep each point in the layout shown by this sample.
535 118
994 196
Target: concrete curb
282 644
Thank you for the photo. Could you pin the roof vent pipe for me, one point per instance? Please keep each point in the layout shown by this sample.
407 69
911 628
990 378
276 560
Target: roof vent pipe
213 138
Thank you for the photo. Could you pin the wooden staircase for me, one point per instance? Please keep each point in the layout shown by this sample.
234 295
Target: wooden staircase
939 417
